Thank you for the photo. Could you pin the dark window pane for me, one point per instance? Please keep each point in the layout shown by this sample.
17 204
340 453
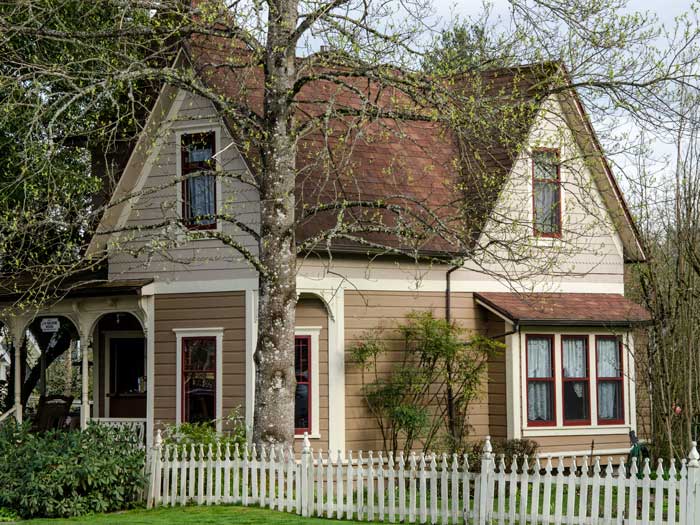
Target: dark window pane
200 354
301 407
199 191
200 394
576 403
127 364
610 400
539 401
546 165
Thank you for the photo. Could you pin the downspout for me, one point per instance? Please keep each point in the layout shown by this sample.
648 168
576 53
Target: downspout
448 318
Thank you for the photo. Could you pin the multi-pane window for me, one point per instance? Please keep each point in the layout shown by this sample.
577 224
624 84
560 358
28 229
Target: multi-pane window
575 380
609 379
302 404
540 380
199 189
546 187
198 379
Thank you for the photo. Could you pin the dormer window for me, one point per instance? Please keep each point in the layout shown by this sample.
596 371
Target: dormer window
546 190
198 190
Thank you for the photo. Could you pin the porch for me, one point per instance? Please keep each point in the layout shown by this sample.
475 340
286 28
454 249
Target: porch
86 358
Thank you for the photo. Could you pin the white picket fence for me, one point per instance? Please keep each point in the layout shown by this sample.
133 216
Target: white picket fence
428 488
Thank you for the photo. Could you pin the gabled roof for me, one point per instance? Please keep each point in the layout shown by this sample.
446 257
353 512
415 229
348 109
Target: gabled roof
445 180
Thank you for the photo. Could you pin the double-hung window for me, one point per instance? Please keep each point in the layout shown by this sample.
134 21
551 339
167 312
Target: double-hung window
546 193
199 183
609 379
540 380
575 380
198 379
302 367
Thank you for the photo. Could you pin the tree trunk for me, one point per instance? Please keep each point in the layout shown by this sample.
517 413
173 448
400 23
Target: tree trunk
275 381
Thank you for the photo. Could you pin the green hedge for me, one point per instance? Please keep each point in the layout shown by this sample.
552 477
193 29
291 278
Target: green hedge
62 474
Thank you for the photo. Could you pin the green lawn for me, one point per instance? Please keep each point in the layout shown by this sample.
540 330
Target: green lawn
214 515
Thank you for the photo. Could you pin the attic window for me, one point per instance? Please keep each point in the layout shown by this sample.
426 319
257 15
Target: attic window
199 190
546 193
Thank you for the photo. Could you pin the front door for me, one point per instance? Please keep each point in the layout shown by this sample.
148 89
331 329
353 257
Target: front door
127 377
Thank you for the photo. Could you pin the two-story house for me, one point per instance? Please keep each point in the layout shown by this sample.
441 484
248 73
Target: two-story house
172 323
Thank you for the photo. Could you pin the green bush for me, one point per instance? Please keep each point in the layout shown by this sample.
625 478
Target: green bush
63 474
510 449
233 431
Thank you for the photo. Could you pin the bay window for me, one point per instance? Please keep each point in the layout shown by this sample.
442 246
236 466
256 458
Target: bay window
540 380
575 380
609 378
546 193
199 190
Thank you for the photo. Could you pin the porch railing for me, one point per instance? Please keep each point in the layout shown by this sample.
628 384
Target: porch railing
136 424
7 414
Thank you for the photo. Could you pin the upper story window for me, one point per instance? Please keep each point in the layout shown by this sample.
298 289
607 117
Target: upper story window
540 380
609 378
198 191
302 402
575 380
546 189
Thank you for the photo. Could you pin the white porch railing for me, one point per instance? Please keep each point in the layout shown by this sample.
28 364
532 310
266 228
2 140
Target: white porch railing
431 489
137 424
7 414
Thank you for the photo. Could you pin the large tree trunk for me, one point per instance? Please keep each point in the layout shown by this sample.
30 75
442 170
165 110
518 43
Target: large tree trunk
275 381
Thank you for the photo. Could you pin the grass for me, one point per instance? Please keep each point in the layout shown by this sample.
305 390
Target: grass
192 515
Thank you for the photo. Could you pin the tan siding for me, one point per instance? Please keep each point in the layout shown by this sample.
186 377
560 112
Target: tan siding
600 442
211 310
312 312
365 311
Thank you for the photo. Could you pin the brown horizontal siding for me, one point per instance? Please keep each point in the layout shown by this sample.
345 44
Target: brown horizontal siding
367 311
600 442
199 310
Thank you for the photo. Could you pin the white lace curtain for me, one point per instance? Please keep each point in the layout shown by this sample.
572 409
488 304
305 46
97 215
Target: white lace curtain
202 196
574 356
608 391
539 393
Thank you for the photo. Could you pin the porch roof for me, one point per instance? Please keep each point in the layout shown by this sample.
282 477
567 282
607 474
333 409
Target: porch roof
86 288
570 309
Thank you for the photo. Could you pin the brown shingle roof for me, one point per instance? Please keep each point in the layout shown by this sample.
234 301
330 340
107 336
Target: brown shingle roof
583 309
444 185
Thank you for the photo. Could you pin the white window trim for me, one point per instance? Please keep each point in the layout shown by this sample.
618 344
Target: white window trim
180 334
579 430
116 334
194 129
315 333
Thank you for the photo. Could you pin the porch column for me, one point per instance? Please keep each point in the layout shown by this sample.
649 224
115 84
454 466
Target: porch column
17 344
85 346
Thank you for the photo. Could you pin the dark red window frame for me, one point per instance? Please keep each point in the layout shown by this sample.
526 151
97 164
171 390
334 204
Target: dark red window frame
557 182
190 167
551 380
587 380
619 379
184 415
297 362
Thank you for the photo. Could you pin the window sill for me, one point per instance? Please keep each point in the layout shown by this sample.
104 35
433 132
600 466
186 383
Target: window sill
311 436
575 430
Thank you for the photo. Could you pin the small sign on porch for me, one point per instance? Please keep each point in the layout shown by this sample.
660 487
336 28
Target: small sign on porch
50 324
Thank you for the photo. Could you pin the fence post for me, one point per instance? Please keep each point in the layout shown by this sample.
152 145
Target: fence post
692 493
305 462
484 480
154 488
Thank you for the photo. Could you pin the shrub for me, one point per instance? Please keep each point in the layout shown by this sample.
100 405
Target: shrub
233 432
510 449
63 474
